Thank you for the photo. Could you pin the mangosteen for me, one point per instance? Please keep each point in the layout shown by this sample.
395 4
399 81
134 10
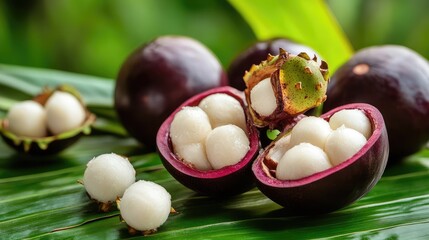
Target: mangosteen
284 86
52 121
258 52
324 164
395 79
157 77
209 143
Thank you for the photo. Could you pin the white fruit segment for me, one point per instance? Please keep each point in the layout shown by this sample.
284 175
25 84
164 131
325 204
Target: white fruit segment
27 119
312 130
226 145
343 143
195 155
223 109
145 205
352 118
107 176
262 98
302 161
64 112
190 125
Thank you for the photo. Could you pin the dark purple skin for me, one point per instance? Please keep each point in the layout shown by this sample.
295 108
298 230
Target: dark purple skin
157 77
258 52
394 79
230 180
338 186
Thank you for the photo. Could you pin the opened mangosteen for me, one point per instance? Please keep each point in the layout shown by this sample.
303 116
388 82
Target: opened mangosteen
324 164
209 143
284 86
258 52
47 124
395 79
157 77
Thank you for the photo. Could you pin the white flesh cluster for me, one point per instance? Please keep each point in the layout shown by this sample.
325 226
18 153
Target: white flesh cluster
27 119
107 176
222 118
262 98
64 112
145 205
313 144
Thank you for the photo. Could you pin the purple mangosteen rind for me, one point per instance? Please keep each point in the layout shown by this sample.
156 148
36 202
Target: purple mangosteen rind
229 180
335 187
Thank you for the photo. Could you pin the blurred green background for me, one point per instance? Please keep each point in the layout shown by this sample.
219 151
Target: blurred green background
95 36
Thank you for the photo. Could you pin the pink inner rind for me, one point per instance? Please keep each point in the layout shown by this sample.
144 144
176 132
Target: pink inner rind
219 179
339 185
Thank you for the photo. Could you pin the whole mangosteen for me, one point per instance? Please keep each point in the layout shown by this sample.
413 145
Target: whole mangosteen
395 79
258 52
157 77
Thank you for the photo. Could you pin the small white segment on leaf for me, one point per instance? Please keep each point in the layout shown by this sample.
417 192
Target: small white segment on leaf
107 176
145 205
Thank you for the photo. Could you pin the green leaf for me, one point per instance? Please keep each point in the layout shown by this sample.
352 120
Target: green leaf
96 91
44 201
309 22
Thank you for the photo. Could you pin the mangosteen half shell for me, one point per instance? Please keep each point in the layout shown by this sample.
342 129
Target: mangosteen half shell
50 144
335 187
229 180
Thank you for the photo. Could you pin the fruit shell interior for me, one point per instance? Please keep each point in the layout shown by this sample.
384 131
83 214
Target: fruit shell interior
229 180
335 187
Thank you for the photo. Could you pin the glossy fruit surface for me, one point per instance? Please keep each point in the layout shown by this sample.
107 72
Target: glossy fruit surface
258 52
394 79
228 180
157 77
335 187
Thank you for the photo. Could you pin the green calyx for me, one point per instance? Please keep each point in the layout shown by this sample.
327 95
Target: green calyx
299 84
303 83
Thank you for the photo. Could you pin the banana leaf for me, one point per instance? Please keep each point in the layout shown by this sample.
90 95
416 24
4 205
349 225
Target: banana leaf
41 199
